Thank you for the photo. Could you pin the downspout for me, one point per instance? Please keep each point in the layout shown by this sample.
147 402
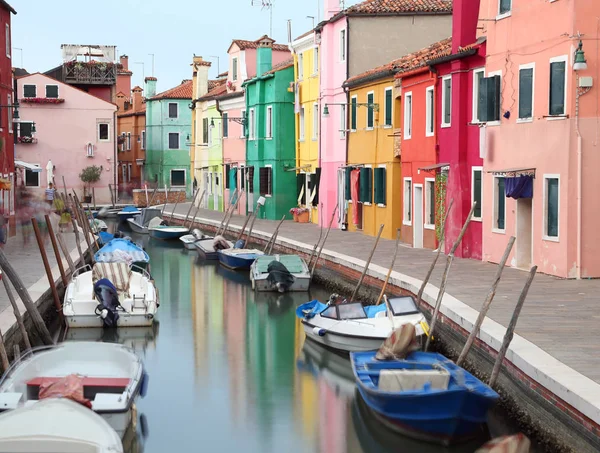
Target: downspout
115 158
579 176
434 71
346 90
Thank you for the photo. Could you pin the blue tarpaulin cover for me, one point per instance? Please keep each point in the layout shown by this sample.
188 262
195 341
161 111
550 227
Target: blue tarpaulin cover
519 187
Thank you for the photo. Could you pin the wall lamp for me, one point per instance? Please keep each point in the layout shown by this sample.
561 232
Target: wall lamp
375 107
580 63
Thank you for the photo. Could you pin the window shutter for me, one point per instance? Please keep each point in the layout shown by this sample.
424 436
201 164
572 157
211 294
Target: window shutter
52 91
204 130
311 186
447 101
501 203
380 185
388 108
300 178
263 180
348 184
353 115
366 184
225 122
525 92
370 113
233 178
317 178
489 98
552 220
227 169
557 88
477 192
250 179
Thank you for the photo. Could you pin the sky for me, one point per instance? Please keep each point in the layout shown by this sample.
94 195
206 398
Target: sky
172 30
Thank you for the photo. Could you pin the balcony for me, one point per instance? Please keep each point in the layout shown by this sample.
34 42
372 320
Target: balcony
90 73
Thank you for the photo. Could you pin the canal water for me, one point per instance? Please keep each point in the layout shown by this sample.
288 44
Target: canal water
230 371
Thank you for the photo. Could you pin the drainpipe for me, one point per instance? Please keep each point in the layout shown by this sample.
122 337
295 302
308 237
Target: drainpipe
579 184
115 157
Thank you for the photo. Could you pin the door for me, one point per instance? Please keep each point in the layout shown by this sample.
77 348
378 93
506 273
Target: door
208 185
217 190
524 233
418 216
249 184
341 212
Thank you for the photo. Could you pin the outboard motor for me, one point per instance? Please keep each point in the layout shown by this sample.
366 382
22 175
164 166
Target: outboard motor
109 304
239 244
197 234
279 276
220 243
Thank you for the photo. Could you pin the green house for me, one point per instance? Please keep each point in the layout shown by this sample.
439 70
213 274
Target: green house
270 132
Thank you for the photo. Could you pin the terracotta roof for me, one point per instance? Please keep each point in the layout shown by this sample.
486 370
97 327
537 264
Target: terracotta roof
183 91
281 66
400 6
218 89
214 83
243 45
448 52
223 74
230 95
129 112
408 62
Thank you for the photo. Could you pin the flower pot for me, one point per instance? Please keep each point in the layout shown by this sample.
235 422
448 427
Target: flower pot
303 217
295 217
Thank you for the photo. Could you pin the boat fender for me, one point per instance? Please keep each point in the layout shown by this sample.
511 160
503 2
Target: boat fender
144 385
318 331
144 426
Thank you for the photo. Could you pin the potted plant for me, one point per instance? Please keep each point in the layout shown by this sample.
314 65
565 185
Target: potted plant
301 215
89 175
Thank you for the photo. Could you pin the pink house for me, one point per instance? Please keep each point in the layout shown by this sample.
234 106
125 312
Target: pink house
541 150
61 131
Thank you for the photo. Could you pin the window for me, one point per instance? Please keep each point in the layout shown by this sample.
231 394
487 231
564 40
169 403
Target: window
173 110
315 122
342 45
269 124
234 69
429 203
178 178
25 129
551 206
343 121
446 101
353 107
225 125
7 40
265 180
128 172
128 141
300 66
499 204
476 189
143 143
250 172
173 140
379 175
205 131
366 185
103 132
489 98
315 60
252 125
504 7
370 116
32 178
558 82
407 202
429 112
407 116
29 91
243 113
526 92
52 91
478 75
301 125
10 117
388 107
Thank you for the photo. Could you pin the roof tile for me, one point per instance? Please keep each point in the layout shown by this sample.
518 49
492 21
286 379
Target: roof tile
183 91
281 66
217 88
400 6
244 44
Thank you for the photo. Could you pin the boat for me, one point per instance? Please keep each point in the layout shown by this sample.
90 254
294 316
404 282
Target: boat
105 237
122 250
189 240
98 225
106 212
57 424
515 443
139 223
353 326
208 248
165 232
128 212
424 396
110 295
105 377
238 259
280 273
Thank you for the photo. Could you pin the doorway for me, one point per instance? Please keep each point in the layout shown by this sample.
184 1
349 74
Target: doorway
524 254
341 199
418 216
217 190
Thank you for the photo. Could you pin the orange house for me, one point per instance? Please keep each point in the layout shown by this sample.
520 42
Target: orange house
131 130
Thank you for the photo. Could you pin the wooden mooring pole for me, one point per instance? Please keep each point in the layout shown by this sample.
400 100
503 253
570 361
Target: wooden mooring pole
314 250
364 272
508 336
17 312
56 251
254 214
269 246
3 355
63 246
314 265
192 205
241 233
231 214
80 221
387 277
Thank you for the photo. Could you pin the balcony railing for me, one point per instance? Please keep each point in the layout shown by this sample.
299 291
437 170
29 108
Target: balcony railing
90 73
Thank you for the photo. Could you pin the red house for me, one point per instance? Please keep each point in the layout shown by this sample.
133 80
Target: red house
457 123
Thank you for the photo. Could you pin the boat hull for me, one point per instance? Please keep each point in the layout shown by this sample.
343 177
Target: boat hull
262 284
136 227
128 215
125 320
346 343
205 249
157 233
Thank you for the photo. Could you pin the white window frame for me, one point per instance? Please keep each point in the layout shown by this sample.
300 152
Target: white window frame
445 101
408 119
234 69
381 205
176 110
128 141
528 66
98 132
39 173
342 46
559 59
184 176
385 125
169 141
269 123
301 124
407 206
428 226
350 107
315 122
243 127
8 40
269 195
52 85
493 74
315 60
429 112
369 128
475 100
473 170
143 140
506 14
495 229
300 66
343 119
252 125
545 236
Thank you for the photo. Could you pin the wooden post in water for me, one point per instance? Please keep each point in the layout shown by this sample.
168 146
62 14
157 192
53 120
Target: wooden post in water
437 255
56 251
438 302
508 336
174 207
314 266
314 250
243 227
152 197
82 223
364 272
3 355
487 303
250 229
387 278
230 215
17 313
83 230
166 200
191 206
15 279
63 246
86 224
269 247
40 242
94 197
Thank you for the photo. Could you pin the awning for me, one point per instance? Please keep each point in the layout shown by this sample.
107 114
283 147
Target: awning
519 186
511 172
433 167
31 167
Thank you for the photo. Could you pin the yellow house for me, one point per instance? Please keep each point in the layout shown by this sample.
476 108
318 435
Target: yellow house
373 185
306 87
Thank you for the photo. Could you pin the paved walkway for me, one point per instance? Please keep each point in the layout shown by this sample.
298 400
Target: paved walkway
560 316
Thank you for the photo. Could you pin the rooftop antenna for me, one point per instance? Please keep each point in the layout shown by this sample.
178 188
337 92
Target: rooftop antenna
313 20
266 4
289 26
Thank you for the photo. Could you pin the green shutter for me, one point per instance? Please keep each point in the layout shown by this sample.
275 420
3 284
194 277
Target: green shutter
225 122
477 193
370 110
348 184
233 179
380 185
501 204
489 98
557 88
353 117
552 207
388 108
447 101
366 185
227 169
525 93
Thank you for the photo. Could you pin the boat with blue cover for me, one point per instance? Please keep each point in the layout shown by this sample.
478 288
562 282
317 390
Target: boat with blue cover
425 396
121 250
105 237
280 273
353 326
128 212
239 259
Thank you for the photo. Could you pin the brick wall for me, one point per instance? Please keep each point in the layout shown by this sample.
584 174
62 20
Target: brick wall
174 196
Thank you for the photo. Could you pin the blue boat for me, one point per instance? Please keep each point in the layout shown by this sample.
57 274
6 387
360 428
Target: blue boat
105 237
128 212
166 232
426 396
118 249
238 259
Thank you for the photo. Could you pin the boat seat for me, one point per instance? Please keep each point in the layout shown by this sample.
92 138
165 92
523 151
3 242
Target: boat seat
413 380
119 274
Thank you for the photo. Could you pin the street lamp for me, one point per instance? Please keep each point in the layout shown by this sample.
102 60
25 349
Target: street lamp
580 64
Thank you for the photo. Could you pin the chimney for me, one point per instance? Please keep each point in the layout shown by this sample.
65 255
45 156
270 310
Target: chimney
125 62
136 98
332 7
150 86
121 102
264 55
465 14
201 68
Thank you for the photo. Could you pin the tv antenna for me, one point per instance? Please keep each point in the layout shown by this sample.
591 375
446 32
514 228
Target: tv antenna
266 4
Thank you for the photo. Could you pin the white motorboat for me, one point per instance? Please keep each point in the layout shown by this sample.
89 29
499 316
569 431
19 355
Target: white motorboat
98 225
357 327
111 295
139 223
206 247
109 377
57 424
189 240
280 273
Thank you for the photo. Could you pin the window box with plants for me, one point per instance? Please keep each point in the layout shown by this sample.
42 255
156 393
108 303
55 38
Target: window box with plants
301 215
89 176
42 100
27 139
